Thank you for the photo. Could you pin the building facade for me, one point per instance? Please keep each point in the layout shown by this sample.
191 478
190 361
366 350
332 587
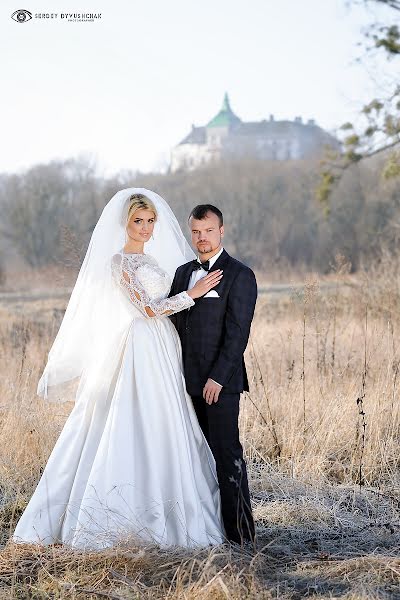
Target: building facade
227 137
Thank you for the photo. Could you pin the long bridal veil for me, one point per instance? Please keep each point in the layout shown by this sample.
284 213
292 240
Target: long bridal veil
84 355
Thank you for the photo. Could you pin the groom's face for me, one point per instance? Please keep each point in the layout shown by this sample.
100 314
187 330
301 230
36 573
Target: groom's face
206 233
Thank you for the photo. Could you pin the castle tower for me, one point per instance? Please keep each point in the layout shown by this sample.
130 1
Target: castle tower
221 125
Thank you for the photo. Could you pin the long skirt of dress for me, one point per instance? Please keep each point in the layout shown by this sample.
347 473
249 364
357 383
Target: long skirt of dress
136 469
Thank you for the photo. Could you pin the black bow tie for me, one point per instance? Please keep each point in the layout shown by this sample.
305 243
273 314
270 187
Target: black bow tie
196 265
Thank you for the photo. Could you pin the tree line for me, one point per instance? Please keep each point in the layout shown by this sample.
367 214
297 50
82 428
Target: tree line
272 214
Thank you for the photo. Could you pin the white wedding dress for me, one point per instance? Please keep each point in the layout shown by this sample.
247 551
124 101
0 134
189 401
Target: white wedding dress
137 468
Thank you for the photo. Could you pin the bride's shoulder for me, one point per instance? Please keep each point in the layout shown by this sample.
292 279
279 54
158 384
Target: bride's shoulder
116 259
133 259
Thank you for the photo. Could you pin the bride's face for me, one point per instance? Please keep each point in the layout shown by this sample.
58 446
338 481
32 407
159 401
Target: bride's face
141 225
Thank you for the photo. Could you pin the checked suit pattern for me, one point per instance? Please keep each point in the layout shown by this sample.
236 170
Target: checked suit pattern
214 335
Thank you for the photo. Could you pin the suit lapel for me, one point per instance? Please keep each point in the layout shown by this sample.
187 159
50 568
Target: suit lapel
221 261
186 277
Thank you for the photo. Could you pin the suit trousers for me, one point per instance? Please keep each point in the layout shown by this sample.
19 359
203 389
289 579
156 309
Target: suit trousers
219 423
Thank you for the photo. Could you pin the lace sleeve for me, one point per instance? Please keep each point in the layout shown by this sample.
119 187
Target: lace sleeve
123 272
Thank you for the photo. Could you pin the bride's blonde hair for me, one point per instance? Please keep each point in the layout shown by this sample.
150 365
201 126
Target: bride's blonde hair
138 202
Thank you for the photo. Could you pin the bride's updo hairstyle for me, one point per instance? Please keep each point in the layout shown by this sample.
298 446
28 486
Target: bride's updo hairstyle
138 202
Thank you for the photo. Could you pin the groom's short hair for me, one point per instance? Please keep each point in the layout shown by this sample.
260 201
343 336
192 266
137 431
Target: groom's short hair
200 212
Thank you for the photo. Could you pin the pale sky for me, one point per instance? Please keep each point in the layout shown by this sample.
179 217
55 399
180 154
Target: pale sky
128 87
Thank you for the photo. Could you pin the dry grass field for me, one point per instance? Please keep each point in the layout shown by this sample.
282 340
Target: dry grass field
321 434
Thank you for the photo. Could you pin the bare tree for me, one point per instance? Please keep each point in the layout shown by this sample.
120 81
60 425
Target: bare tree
45 200
380 134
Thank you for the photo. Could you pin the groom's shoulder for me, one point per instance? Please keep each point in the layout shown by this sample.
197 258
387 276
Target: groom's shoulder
182 267
240 267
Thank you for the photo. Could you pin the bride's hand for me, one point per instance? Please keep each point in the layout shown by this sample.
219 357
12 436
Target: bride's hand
205 284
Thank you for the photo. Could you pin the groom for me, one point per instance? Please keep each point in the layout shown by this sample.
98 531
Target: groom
214 334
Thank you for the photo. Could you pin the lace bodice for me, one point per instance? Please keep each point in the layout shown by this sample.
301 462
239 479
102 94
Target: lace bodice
147 285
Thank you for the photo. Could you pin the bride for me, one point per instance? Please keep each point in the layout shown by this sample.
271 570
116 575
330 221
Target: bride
131 463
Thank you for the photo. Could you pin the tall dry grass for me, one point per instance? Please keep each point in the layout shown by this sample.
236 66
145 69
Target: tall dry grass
325 368
320 428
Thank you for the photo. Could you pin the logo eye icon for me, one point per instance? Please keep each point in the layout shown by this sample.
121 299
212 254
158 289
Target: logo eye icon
21 15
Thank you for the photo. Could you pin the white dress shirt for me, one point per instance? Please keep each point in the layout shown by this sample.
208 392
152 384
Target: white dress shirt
199 274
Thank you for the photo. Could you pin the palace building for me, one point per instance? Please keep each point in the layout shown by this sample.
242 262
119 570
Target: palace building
227 136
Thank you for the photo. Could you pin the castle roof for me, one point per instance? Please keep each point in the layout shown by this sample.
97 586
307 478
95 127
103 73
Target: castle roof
258 128
225 117
196 136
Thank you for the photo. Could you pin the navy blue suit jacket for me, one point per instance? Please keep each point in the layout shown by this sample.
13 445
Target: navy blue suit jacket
215 331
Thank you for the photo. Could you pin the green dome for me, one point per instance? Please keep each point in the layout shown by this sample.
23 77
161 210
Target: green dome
225 117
